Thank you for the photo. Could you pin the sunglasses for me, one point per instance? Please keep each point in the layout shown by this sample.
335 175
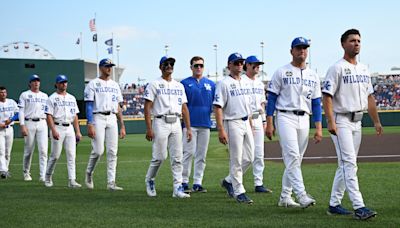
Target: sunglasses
165 64
238 63
198 65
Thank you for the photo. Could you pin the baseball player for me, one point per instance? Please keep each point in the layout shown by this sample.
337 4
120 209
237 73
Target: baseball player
103 100
165 98
232 104
295 93
348 93
62 118
259 124
8 114
32 104
200 93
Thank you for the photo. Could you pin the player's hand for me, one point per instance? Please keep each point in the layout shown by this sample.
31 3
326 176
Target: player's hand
122 133
318 136
223 138
3 125
270 131
78 137
24 130
91 131
378 129
149 134
7 122
55 134
332 128
189 135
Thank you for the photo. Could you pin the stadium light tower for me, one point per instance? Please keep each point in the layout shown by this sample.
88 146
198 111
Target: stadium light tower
216 61
166 47
118 48
262 59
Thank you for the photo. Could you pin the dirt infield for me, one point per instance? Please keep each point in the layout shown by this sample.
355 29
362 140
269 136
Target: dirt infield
385 148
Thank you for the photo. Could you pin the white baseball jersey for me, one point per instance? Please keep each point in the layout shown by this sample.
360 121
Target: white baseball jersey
167 96
295 88
106 95
234 97
32 105
349 85
257 93
8 110
62 108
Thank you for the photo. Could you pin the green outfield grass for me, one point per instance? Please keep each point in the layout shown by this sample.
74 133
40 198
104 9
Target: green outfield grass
30 204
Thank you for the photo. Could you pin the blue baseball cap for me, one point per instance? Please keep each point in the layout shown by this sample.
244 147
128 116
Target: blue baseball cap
61 78
106 63
165 58
34 77
235 57
300 41
253 59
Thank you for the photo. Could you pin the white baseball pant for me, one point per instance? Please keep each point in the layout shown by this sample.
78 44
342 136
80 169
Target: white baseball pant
293 133
197 147
6 143
106 128
258 163
241 151
39 131
347 143
167 138
68 140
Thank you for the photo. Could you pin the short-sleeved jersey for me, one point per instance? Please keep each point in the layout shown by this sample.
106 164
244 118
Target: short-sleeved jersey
33 104
234 97
257 93
106 95
295 88
8 109
349 85
63 108
167 96
200 96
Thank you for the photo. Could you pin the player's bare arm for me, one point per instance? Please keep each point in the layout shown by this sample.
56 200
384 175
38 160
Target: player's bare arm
21 116
328 109
147 118
373 113
222 136
270 131
78 134
186 120
318 132
263 116
122 131
50 123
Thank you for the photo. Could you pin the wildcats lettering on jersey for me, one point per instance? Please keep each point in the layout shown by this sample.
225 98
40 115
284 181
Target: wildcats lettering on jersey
7 109
64 104
297 80
349 79
240 92
106 90
174 92
257 91
35 100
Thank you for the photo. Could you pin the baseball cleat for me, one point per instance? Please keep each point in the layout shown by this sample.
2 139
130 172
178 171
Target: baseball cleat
73 184
48 182
186 188
198 188
338 210
287 202
42 179
228 187
178 193
151 188
262 189
112 186
243 198
364 213
89 181
27 177
306 200
3 175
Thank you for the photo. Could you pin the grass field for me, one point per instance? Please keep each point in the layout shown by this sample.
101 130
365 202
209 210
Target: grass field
30 204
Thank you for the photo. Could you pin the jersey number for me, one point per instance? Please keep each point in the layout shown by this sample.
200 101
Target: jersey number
309 94
179 101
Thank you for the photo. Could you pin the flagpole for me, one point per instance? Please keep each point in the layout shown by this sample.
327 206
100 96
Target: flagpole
112 52
80 42
97 48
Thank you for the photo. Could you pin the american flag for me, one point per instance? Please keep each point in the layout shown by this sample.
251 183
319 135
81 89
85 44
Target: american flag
92 25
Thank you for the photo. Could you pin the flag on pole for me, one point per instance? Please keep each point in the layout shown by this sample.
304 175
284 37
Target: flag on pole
95 37
92 25
109 42
110 50
78 41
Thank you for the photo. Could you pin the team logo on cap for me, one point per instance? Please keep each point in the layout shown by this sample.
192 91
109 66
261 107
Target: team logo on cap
302 40
289 73
347 71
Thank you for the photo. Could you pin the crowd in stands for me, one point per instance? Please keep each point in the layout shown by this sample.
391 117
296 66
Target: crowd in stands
387 96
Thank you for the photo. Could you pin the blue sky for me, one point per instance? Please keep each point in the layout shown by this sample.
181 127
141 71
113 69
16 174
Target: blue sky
143 28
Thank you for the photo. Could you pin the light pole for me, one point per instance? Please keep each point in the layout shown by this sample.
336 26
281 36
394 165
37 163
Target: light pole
166 47
118 48
262 59
216 61
309 53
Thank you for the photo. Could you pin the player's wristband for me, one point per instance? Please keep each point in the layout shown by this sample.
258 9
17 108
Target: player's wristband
272 97
89 112
316 109
15 117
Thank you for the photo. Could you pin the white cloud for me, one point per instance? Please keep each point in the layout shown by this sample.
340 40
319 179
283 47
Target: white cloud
125 32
